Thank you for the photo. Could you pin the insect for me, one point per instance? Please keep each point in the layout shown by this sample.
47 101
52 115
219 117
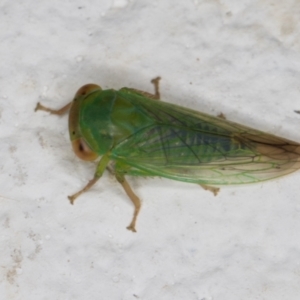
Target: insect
142 136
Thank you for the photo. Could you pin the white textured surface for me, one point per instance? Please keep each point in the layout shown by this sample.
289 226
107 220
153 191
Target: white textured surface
236 57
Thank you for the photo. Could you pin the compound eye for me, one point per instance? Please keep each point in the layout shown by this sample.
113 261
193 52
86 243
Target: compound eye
83 151
86 89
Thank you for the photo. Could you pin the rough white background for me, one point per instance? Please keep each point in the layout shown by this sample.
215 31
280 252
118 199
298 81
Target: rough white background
241 58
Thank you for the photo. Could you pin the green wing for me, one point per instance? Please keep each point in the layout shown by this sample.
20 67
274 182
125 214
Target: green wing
190 146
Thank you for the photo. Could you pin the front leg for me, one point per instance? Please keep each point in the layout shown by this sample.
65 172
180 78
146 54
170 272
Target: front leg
99 171
59 112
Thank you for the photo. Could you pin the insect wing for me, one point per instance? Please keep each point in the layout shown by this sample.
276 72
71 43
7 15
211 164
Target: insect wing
190 146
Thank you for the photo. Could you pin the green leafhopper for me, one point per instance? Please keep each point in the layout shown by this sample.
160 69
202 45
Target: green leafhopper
136 134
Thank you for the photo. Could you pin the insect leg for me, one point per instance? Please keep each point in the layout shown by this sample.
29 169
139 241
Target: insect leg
61 111
99 171
155 96
212 189
155 82
133 197
221 116
87 187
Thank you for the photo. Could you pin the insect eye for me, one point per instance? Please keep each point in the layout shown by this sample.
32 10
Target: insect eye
83 151
81 147
86 89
